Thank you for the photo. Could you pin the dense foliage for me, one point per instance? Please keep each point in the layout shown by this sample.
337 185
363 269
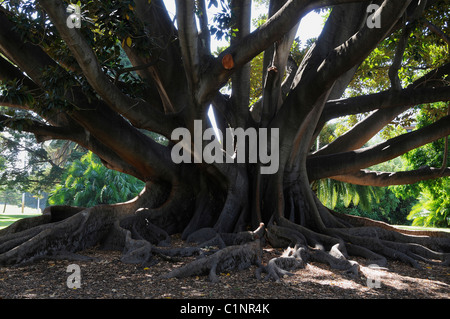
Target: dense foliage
88 183
433 207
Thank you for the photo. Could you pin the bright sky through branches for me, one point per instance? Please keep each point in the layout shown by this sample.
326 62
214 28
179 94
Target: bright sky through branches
310 26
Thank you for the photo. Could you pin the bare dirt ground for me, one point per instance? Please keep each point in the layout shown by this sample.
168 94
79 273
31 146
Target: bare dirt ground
106 277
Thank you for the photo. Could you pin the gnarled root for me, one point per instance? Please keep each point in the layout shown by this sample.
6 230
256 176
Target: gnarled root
139 250
245 250
229 258
277 268
62 231
60 238
335 245
297 257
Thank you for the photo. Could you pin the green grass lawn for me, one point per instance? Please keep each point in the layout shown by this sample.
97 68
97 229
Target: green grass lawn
14 213
6 220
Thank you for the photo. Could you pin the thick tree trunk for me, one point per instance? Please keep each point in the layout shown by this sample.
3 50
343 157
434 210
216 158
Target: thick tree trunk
215 205
141 229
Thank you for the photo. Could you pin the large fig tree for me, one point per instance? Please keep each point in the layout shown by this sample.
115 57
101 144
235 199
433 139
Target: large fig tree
64 75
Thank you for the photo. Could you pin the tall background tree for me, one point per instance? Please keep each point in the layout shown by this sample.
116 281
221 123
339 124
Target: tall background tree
64 82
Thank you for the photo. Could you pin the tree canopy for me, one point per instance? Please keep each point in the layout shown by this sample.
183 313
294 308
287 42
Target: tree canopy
131 84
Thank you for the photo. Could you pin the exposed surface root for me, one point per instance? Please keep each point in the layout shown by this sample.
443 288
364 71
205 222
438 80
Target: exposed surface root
334 246
141 229
336 260
297 257
63 230
141 251
242 250
63 237
229 258
43 240
277 268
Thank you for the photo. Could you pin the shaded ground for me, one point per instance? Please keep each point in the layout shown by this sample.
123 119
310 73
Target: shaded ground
107 277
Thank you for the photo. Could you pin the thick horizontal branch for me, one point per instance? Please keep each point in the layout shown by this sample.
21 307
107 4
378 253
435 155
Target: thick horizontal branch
21 53
94 119
42 131
382 100
150 159
139 112
10 72
343 163
383 179
362 132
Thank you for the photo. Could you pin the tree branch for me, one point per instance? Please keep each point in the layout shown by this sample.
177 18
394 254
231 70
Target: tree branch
42 131
240 80
398 57
349 54
166 64
438 32
205 34
139 112
318 75
291 70
258 41
401 46
383 179
275 63
347 162
188 34
20 53
386 99
148 157
366 129
10 72
434 78
96 120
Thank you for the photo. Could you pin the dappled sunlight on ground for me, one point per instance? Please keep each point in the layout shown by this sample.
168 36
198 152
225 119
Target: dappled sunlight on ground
107 277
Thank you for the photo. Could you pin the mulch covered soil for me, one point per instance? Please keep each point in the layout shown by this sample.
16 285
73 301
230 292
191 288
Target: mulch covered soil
106 277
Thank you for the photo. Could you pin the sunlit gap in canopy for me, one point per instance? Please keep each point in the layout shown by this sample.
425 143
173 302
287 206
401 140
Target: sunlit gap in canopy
212 119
